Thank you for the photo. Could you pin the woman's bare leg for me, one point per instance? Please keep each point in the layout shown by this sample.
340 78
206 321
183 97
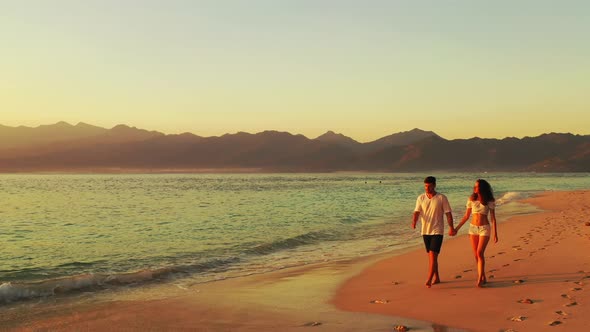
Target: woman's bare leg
474 245
481 261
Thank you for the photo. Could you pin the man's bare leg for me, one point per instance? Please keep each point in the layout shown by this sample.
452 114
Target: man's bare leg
433 277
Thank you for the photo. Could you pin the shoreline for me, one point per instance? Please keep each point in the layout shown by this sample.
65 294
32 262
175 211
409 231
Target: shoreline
292 299
336 296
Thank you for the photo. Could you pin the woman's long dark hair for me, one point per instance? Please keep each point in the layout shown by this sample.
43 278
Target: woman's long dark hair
485 191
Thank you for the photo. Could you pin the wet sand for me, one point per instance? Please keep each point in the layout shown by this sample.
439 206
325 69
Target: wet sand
296 299
547 253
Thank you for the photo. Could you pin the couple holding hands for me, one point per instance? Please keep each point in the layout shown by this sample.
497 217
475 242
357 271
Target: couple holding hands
431 207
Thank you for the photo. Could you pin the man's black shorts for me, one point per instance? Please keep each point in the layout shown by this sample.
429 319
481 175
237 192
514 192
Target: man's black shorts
433 242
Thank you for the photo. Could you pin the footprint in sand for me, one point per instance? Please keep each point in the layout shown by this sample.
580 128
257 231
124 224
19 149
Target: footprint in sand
501 253
517 318
312 324
554 323
571 304
519 281
379 301
561 312
467 270
576 289
506 265
525 301
458 276
565 296
518 259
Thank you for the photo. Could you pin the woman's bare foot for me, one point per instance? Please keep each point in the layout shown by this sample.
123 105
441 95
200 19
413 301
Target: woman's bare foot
428 284
436 281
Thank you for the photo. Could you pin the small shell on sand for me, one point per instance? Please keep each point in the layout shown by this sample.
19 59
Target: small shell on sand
379 301
517 318
401 328
527 301
555 322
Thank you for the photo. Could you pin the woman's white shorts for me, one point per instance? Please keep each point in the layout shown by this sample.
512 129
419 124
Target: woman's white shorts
483 230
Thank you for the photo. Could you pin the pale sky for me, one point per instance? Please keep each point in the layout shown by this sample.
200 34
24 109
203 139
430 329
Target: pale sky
365 68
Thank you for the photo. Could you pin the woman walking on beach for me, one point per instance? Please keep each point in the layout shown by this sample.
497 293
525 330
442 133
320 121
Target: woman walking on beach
481 203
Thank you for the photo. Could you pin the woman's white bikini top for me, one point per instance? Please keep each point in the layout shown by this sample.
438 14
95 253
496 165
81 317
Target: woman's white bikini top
477 207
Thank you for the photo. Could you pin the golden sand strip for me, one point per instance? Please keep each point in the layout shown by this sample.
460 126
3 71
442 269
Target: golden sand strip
539 276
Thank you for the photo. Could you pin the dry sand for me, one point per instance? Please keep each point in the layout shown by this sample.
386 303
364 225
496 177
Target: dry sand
547 252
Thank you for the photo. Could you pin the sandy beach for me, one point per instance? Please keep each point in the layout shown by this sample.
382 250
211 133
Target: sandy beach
539 274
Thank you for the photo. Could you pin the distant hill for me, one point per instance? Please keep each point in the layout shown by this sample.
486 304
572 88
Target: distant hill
18 137
331 137
402 139
86 148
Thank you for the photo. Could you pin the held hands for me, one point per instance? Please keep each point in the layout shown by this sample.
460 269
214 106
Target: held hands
452 231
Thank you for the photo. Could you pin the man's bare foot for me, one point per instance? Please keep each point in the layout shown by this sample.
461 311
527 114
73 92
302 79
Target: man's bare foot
428 284
436 281
481 282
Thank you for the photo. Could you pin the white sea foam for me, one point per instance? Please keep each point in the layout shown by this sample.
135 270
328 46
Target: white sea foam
510 196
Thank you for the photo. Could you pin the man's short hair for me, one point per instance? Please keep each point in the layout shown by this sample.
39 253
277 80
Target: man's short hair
430 179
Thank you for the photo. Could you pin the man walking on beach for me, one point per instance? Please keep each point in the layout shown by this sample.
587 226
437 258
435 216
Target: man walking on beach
431 207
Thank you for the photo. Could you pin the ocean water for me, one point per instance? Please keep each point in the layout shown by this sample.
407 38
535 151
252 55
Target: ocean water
66 233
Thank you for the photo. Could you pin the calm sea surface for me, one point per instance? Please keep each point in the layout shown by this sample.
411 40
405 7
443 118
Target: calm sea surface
71 232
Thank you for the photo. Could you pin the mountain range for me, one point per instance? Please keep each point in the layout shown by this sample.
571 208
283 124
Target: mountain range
63 147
